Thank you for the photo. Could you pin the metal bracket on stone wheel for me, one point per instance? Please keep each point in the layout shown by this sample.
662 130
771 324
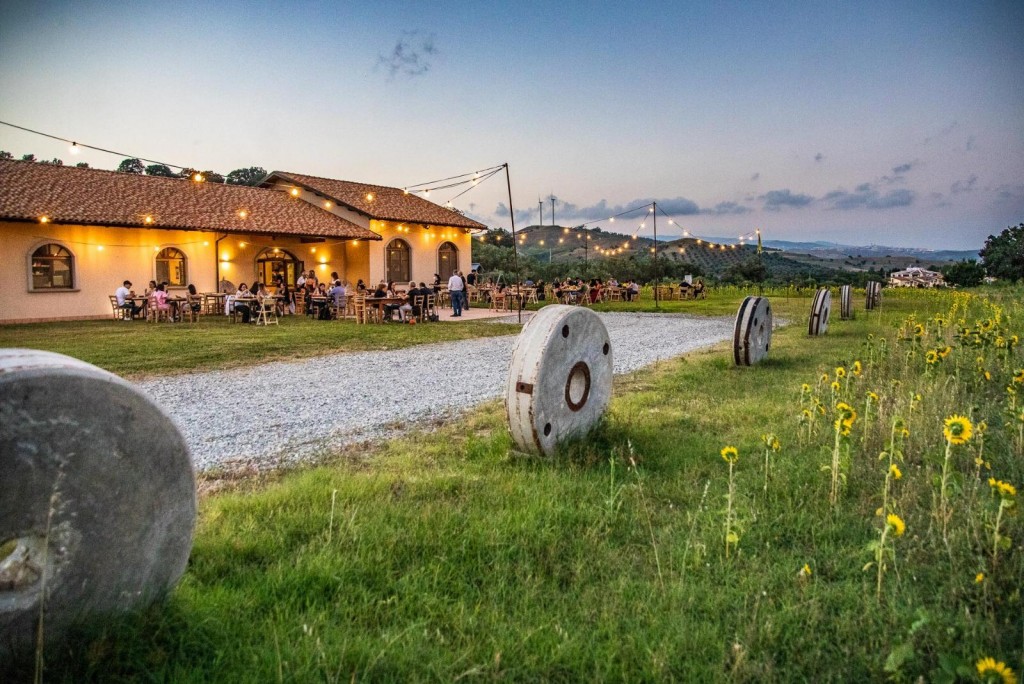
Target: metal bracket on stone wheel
752 334
97 497
821 307
560 378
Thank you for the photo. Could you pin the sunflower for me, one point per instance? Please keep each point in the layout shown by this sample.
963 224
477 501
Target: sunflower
730 454
945 351
895 472
835 386
991 671
979 578
896 523
1004 489
857 368
919 330
958 429
1018 376
931 357
840 372
771 441
805 388
872 396
824 377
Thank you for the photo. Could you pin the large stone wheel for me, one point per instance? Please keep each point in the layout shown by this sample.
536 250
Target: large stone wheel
873 295
97 497
752 334
846 302
821 307
560 379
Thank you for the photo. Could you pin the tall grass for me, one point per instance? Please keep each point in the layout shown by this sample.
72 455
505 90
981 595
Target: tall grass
447 556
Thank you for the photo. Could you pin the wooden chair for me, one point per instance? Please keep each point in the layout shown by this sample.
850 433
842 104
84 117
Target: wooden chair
531 295
193 306
120 314
419 303
364 313
266 311
499 301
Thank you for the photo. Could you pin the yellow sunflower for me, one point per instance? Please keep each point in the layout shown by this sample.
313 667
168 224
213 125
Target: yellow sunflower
857 368
991 671
872 396
895 472
1018 376
835 386
958 429
1004 489
945 351
979 578
931 357
896 523
730 454
840 372
919 330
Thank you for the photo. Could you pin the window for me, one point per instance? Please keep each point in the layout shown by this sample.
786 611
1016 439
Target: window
170 267
397 261
274 264
53 268
447 260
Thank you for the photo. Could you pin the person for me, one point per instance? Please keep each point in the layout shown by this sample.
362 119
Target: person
627 290
405 310
150 289
698 289
311 279
437 283
339 295
126 301
456 287
195 302
300 282
286 303
243 302
160 300
360 286
634 290
540 290
472 278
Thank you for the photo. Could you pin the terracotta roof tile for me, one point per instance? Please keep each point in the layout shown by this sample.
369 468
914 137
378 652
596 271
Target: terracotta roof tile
66 194
388 204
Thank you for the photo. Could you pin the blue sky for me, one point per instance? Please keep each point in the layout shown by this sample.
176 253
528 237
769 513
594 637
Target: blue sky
890 123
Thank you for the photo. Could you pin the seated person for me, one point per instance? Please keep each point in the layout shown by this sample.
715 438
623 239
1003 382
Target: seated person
339 294
243 301
124 295
698 288
195 302
160 299
405 310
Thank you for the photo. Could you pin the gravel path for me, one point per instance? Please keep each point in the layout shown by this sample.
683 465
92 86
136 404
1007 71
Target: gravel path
312 405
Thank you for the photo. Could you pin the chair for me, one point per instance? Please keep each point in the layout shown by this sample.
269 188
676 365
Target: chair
266 311
193 306
531 295
363 311
419 303
155 314
120 313
499 301
338 309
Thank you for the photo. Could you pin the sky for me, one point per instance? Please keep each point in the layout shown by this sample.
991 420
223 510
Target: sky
895 123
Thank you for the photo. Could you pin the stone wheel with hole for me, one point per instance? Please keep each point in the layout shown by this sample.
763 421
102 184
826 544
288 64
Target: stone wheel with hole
846 302
560 378
821 307
97 497
752 335
873 295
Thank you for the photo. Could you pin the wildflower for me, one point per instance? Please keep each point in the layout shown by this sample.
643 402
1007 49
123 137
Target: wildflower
1005 490
919 330
835 386
1018 376
979 578
730 454
805 571
895 472
840 372
1001 342
805 388
824 377
989 670
958 429
986 375
872 396
843 427
931 357
807 414
896 523
771 441
944 352
987 325
857 368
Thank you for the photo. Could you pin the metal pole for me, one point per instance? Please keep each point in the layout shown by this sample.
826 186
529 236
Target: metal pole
657 272
553 198
515 250
540 203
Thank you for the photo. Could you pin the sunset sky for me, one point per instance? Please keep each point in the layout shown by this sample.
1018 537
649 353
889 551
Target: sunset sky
895 123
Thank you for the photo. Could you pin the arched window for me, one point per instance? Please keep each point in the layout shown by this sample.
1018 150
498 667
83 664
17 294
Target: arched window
53 268
397 260
273 264
171 267
447 260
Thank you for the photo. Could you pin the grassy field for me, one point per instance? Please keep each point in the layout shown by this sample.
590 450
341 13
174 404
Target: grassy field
870 545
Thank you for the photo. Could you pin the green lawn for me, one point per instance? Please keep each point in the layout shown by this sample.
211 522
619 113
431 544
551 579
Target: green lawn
447 556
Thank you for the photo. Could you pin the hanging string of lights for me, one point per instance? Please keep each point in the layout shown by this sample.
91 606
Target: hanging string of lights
77 146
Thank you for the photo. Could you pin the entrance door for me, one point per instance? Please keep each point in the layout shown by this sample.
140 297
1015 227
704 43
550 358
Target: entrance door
273 264
447 260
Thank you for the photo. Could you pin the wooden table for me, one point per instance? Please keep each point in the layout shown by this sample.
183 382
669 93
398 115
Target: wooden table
213 302
380 302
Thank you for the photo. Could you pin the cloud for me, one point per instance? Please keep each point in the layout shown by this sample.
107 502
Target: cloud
523 216
902 168
777 199
412 55
943 133
866 196
677 206
755 176
818 157
727 209
962 186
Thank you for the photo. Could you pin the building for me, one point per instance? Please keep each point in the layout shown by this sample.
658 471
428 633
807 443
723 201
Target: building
916 277
70 236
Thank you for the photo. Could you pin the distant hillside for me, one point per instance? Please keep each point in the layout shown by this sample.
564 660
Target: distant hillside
832 250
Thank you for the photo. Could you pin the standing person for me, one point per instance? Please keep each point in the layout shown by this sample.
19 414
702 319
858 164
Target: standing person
456 288
125 300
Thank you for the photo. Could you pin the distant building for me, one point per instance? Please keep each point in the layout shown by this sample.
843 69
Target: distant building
70 236
916 277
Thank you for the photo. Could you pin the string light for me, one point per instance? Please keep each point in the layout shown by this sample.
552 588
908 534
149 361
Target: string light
295 192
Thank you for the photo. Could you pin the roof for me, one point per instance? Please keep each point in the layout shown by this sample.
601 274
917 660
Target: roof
387 204
66 194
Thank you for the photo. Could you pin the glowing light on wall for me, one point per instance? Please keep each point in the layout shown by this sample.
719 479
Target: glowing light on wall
295 192
242 213
44 219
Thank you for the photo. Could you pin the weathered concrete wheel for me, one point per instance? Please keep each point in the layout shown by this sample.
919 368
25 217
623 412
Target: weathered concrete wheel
873 295
560 379
752 335
97 497
821 307
846 302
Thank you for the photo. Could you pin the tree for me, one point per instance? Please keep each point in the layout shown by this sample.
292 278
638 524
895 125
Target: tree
131 166
28 157
4 154
212 177
160 170
964 273
82 165
54 162
1004 255
252 176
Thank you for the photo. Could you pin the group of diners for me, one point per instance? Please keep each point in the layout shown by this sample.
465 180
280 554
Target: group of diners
155 302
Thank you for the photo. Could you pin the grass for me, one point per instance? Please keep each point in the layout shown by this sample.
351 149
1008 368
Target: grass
448 556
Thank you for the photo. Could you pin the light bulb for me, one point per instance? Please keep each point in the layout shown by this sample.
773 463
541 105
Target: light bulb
75 149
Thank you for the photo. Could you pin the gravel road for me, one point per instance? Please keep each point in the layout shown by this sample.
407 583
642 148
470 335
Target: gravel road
285 412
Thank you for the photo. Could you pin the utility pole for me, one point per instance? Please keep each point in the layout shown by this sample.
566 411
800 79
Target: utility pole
515 250
657 272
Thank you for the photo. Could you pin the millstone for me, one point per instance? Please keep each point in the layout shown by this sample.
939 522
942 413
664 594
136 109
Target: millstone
560 379
873 295
97 497
752 335
846 302
821 307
